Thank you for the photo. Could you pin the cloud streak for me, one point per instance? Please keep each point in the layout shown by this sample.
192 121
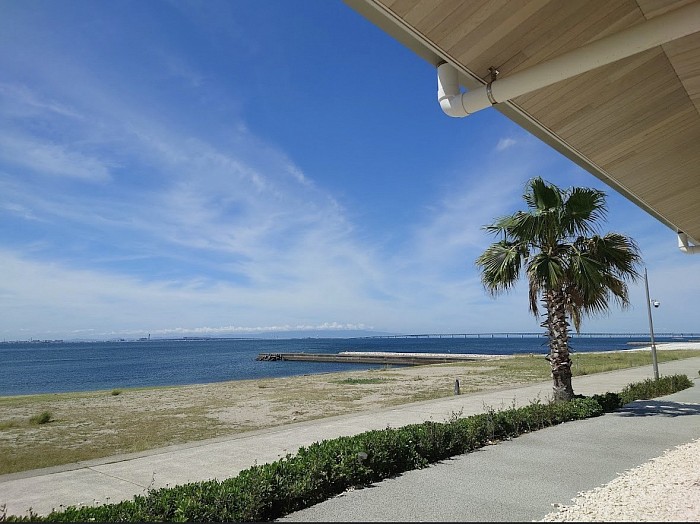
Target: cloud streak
505 143
52 159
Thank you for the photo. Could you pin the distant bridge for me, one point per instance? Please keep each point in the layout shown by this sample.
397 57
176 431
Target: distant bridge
538 334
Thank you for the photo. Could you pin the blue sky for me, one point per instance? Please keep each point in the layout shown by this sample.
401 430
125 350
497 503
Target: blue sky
228 168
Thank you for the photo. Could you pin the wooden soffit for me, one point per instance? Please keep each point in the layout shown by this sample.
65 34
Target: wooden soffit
635 124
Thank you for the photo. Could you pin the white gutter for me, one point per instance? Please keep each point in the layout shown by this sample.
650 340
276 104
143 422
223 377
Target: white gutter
641 37
684 245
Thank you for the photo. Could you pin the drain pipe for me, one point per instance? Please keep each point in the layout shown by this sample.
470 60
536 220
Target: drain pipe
641 37
684 245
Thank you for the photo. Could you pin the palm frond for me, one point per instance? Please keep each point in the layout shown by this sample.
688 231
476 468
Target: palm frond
541 195
598 268
582 209
546 270
500 226
617 253
533 296
500 265
574 301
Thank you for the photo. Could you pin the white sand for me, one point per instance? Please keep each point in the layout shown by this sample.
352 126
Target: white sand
665 489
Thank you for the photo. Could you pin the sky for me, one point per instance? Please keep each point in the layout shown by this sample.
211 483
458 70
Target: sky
229 168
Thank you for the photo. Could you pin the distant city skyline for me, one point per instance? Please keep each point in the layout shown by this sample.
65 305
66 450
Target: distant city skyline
231 168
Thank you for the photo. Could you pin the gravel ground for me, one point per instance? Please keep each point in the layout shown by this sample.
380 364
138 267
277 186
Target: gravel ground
666 489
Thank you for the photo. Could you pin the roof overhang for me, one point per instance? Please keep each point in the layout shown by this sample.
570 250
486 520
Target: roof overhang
634 124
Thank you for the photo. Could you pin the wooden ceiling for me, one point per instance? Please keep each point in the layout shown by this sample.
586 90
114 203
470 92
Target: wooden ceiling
635 124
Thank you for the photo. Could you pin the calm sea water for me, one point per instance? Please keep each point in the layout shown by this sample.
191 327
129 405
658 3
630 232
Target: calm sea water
30 367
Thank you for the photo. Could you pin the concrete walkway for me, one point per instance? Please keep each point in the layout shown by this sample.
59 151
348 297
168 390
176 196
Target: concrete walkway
591 452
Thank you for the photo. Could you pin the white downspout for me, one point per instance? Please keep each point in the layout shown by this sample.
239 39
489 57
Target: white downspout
684 246
641 37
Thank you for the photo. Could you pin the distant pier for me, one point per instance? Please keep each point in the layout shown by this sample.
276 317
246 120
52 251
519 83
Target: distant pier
379 357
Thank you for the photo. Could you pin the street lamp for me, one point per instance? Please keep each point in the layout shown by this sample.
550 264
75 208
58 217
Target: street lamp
656 303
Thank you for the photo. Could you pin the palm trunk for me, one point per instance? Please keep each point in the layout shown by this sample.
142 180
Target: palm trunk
558 333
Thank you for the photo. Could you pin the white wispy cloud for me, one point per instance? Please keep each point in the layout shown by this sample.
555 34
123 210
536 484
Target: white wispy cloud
52 159
75 300
21 101
18 210
505 143
233 330
259 240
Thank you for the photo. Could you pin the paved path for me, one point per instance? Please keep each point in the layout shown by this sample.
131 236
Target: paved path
591 453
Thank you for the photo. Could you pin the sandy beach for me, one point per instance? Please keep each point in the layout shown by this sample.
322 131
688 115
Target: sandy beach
101 423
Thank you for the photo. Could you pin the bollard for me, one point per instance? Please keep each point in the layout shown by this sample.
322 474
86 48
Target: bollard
457 386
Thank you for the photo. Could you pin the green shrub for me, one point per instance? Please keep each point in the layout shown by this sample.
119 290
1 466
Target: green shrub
609 401
116 392
43 418
655 388
646 389
327 468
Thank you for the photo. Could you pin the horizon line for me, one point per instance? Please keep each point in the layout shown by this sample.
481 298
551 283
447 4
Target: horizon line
277 335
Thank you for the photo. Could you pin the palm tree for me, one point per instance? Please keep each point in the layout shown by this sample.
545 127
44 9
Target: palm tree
572 270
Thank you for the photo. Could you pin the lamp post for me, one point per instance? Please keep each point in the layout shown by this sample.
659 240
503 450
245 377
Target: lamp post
654 362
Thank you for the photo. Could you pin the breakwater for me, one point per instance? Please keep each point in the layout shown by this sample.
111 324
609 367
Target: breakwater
377 357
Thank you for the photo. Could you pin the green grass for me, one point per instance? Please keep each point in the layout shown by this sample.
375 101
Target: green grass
43 418
589 363
531 366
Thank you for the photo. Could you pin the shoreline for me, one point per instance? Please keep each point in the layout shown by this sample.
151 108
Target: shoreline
467 357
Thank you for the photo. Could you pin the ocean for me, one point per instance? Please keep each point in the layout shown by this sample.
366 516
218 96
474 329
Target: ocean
53 367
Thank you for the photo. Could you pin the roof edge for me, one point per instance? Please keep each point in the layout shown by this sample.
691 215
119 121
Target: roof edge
383 18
